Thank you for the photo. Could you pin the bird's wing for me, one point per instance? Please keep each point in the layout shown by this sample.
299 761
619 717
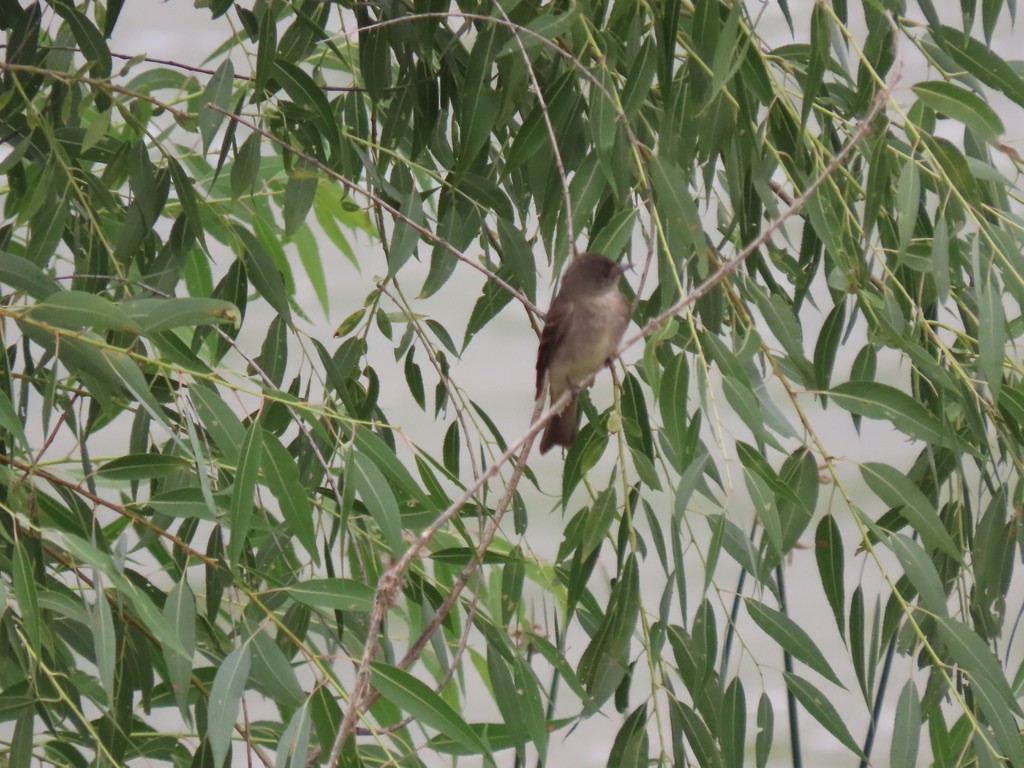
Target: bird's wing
555 327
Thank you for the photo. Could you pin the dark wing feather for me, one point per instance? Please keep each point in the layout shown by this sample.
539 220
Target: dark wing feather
551 337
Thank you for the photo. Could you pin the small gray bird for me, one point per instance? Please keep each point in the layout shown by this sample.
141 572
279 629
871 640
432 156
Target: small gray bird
583 329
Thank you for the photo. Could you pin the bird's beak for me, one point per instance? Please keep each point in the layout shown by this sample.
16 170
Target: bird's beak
625 267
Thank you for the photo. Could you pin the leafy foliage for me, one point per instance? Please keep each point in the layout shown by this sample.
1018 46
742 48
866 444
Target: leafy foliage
219 538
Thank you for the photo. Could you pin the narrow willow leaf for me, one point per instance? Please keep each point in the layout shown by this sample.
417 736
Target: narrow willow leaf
906 731
293 749
606 659
822 710
677 209
603 109
375 491
150 615
672 395
370 444
541 31
981 61
818 61
180 612
262 271
765 731
879 184
406 236
614 237
245 170
11 422
478 102
104 643
282 477
75 309
908 199
412 696
828 551
793 639
920 570
953 165
733 726
307 95
598 522
533 705
225 700
509 702
897 490
698 735
271 671
334 594
217 94
880 401
21 274
27 596
827 345
219 420
630 748
88 38
143 466
991 334
972 653
241 511
940 258
961 104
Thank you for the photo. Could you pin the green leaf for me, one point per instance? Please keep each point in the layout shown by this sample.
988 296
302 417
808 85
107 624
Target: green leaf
241 512
180 612
11 422
334 594
375 491
828 551
306 94
282 476
906 731
908 200
631 746
793 639
143 466
606 659
733 725
225 700
88 38
104 643
822 710
880 401
677 209
478 103
541 31
981 61
263 272
27 596
961 104
371 445
675 383
897 490
76 309
765 730
218 94
920 570
412 696
992 335
23 275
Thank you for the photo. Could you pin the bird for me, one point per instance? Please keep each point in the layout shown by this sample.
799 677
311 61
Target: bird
583 329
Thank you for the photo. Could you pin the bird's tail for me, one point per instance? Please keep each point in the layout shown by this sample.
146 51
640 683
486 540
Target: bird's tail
561 430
